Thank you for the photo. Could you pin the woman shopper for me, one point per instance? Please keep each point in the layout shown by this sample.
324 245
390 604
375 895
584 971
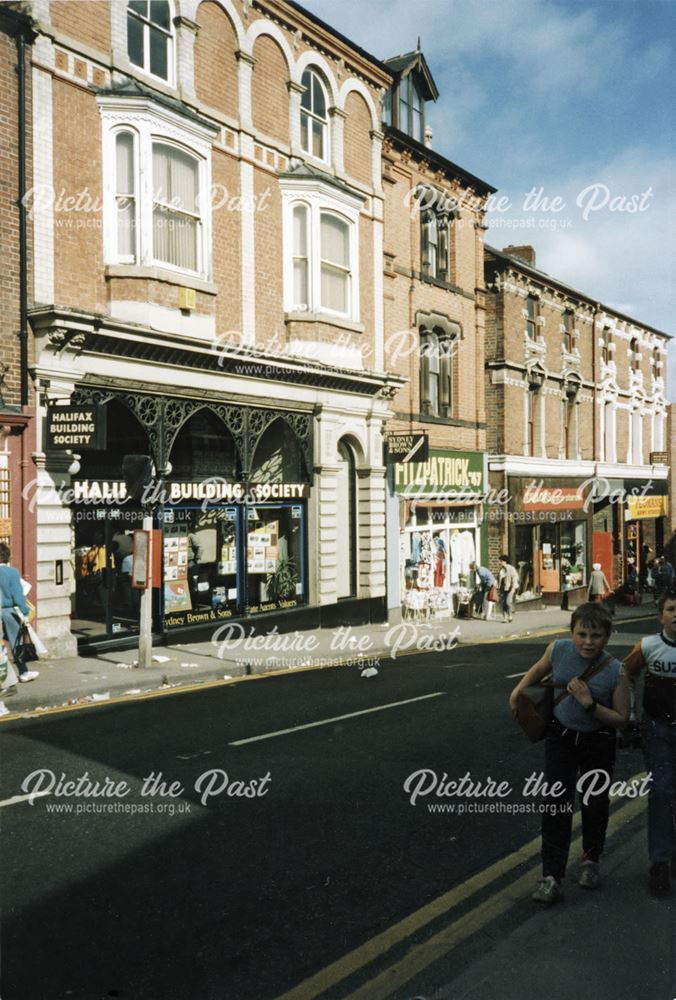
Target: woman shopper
580 739
598 585
13 598
508 582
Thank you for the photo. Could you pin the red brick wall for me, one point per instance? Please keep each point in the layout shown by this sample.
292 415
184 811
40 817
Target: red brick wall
215 47
87 21
270 96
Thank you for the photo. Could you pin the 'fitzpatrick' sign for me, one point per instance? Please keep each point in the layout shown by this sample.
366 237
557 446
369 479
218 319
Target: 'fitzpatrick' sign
445 473
82 428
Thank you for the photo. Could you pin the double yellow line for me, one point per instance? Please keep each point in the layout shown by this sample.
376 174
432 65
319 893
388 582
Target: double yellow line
420 956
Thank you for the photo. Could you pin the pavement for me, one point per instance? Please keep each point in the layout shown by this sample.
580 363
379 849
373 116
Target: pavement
247 651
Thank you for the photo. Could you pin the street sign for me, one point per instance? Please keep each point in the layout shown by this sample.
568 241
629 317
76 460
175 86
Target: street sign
408 447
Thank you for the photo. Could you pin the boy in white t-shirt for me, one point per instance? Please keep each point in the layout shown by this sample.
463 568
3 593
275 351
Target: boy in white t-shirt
656 654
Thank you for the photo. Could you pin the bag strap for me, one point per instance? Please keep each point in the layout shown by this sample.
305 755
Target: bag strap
586 675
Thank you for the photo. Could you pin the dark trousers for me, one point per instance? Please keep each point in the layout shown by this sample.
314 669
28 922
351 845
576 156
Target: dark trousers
569 755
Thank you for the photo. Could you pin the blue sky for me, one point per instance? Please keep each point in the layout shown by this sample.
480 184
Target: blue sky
564 98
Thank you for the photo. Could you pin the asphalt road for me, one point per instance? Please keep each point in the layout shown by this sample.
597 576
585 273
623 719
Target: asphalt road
234 868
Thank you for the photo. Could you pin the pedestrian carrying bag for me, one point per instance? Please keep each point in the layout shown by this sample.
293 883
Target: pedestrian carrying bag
536 703
24 648
492 594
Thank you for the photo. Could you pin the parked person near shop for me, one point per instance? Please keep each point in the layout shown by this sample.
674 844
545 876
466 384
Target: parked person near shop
580 739
487 595
12 595
598 585
656 654
508 582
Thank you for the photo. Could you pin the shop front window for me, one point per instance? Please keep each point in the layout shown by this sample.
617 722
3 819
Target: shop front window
275 550
437 546
200 564
573 537
524 543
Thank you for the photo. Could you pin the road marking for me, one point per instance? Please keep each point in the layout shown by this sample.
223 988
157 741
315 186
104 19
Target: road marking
337 718
377 946
22 798
423 955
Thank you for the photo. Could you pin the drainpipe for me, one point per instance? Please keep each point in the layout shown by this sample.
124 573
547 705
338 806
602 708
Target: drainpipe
23 262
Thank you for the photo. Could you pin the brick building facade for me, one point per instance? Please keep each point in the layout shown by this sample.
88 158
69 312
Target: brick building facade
434 323
17 409
208 279
579 396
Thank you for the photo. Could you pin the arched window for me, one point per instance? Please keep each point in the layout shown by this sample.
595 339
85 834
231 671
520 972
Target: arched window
346 522
126 199
149 36
313 117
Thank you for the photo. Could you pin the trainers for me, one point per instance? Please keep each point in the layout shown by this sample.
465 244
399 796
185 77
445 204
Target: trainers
29 675
548 891
3 709
589 876
660 879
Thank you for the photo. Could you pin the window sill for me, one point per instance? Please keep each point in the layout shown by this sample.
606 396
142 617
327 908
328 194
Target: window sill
326 318
155 273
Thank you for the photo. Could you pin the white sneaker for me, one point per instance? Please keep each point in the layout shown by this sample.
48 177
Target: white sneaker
3 709
30 675
548 891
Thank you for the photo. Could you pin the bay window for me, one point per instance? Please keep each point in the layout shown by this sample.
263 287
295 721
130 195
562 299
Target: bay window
156 177
321 240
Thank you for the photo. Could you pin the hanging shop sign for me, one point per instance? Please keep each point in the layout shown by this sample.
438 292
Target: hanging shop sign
408 447
641 507
82 428
444 474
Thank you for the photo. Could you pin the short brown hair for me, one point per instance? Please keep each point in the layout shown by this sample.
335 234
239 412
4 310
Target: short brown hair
594 615
4 552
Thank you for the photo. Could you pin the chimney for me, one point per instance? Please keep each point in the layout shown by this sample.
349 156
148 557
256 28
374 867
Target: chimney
525 253
428 136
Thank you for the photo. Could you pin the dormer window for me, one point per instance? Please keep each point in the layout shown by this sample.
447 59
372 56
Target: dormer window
411 108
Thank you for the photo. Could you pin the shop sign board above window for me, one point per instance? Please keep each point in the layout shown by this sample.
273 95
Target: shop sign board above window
80 428
539 497
445 473
408 447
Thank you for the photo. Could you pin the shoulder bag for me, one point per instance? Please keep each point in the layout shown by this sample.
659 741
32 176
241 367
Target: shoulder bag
536 703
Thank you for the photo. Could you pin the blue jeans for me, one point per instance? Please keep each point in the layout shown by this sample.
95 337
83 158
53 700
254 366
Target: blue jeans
659 747
506 602
11 627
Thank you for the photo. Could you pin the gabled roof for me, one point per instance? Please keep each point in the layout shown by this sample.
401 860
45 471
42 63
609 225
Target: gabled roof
403 65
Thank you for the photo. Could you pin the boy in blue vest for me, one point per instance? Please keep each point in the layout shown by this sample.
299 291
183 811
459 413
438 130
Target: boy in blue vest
656 654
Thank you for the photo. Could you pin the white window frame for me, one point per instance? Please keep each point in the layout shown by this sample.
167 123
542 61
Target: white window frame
150 123
313 117
171 44
319 197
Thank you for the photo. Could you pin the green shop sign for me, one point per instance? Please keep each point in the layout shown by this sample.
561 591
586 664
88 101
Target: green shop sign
445 475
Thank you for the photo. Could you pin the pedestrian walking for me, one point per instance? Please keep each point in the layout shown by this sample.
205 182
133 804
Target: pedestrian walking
598 585
580 743
487 593
508 582
656 654
663 574
13 598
